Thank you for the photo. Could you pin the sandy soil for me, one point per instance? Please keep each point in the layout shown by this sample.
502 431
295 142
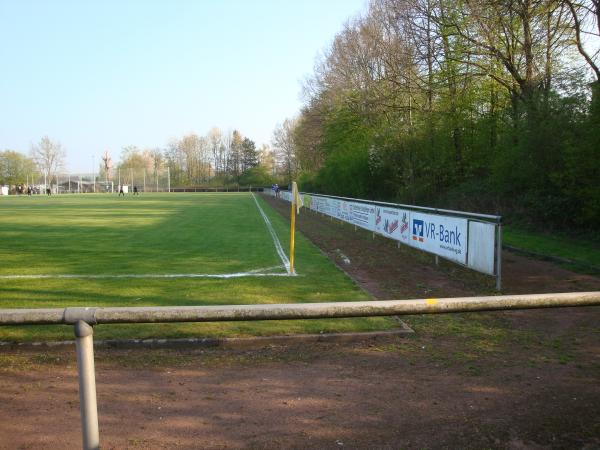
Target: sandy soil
515 380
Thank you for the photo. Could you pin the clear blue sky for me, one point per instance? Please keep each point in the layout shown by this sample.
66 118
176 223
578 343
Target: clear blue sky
107 74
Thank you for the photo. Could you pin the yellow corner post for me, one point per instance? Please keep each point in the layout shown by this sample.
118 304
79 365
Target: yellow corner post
292 235
296 205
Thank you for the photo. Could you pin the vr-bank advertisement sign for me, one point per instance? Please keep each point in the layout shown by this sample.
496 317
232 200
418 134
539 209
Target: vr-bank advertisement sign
393 223
443 236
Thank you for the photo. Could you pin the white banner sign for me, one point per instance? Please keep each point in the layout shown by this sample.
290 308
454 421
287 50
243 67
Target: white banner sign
440 235
362 215
342 210
393 223
482 246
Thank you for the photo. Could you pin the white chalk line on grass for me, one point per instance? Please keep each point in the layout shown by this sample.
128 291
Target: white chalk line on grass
253 273
278 247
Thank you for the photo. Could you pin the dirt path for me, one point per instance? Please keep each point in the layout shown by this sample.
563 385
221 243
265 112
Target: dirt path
518 380
392 394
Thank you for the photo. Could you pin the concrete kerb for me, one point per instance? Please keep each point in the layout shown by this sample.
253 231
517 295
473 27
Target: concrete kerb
229 343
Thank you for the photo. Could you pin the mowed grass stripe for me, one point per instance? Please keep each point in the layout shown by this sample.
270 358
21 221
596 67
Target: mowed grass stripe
319 281
151 234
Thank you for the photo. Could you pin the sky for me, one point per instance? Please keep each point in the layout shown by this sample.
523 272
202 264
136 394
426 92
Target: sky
103 75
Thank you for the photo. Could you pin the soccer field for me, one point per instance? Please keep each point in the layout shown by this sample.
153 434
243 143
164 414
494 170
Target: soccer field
161 249
101 236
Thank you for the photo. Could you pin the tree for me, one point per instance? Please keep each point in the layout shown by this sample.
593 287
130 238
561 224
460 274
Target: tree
463 103
49 157
266 159
285 149
234 157
585 20
157 157
249 154
215 138
133 163
257 176
193 157
525 37
107 166
15 168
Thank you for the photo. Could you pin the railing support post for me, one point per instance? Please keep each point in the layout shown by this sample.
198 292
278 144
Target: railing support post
87 385
499 259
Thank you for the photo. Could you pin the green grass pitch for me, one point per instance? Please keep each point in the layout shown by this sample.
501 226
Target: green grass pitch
153 235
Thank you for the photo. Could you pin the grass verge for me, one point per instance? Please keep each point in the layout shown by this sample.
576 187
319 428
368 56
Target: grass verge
581 255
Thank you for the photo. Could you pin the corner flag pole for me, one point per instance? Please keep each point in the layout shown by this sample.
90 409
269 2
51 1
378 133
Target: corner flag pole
297 203
292 233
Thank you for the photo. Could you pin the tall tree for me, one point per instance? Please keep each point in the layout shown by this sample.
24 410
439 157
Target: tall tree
49 157
215 137
285 149
234 160
107 165
266 159
249 154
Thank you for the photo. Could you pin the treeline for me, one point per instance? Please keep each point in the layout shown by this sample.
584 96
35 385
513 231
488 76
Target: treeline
45 160
483 105
216 159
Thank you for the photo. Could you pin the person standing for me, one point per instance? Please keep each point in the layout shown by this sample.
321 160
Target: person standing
121 191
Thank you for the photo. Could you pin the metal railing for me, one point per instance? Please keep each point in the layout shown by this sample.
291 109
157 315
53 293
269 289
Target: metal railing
83 320
218 189
469 215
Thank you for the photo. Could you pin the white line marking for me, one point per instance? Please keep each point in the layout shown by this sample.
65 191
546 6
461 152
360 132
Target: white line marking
266 269
131 275
264 272
278 247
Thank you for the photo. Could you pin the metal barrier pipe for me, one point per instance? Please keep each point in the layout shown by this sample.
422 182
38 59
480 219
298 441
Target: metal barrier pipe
87 386
293 311
83 318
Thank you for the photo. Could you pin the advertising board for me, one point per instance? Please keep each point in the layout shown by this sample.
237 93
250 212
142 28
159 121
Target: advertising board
286 195
393 223
482 246
341 210
465 241
441 235
362 215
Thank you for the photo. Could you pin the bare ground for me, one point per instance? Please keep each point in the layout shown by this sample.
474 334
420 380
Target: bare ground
514 380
